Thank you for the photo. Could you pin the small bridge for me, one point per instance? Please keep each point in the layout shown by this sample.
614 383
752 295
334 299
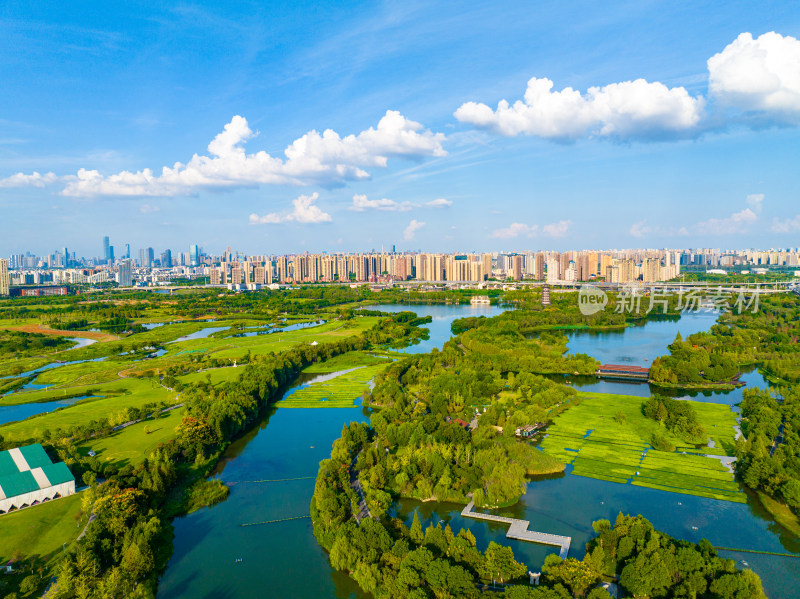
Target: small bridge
518 530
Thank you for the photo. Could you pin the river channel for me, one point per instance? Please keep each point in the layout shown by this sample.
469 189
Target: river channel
216 556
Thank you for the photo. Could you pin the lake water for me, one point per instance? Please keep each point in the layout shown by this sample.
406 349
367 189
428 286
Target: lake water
284 560
26 410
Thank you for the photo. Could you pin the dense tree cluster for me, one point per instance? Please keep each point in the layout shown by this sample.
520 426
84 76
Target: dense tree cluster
650 563
694 362
677 416
768 454
764 334
423 448
16 344
388 558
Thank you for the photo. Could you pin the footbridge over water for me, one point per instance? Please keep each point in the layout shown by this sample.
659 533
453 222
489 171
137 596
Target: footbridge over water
518 530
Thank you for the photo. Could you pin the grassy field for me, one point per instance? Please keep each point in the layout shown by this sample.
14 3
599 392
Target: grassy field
41 530
589 437
132 444
215 375
237 347
118 395
346 361
338 392
782 513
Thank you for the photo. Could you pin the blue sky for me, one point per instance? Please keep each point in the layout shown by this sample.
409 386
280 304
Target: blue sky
653 145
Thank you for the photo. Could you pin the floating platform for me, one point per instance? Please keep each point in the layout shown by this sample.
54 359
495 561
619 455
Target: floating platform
518 530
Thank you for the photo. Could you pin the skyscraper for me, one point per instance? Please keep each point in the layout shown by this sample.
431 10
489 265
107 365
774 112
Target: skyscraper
194 255
146 257
127 250
125 278
3 276
105 248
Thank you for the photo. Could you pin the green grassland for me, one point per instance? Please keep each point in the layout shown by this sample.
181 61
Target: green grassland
42 530
133 443
338 392
117 396
589 437
215 375
346 361
238 347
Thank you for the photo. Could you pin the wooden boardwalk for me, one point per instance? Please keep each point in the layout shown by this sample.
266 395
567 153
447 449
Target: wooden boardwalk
518 530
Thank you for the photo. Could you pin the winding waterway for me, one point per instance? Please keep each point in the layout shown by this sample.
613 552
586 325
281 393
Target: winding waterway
215 556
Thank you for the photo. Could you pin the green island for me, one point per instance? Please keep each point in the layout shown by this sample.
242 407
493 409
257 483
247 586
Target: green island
146 411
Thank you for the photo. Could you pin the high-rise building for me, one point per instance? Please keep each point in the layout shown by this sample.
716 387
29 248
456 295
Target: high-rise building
166 259
105 249
128 251
553 270
651 270
125 275
516 268
194 255
3 276
146 257
66 257
486 265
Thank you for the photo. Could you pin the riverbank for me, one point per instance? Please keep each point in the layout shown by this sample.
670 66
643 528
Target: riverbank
781 512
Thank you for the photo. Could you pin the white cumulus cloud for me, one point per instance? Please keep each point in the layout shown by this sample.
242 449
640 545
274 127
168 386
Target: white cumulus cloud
751 76
361 203
515 230
640 229
756 201
35 179
761 74
558 229
786 226
305 211
439 203
411 229
626 110
736 223
315 158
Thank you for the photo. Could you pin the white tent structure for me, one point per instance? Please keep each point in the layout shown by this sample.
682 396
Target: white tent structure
28 477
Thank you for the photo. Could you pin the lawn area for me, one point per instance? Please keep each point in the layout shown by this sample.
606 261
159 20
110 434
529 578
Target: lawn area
132 444
347 361
338 392
215 375
237 347
118 395
589 437
41 530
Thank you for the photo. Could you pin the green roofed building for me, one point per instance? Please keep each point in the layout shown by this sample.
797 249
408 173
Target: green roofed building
28 477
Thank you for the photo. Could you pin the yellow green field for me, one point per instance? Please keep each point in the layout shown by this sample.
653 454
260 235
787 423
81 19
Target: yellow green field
588 437
132 444
338 392
42 530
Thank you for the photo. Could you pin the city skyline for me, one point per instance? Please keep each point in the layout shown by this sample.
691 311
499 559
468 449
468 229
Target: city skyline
598 128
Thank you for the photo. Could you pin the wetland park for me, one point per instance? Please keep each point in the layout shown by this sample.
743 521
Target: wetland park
324 442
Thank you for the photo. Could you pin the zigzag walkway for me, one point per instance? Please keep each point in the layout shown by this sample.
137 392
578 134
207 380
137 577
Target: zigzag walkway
518 529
